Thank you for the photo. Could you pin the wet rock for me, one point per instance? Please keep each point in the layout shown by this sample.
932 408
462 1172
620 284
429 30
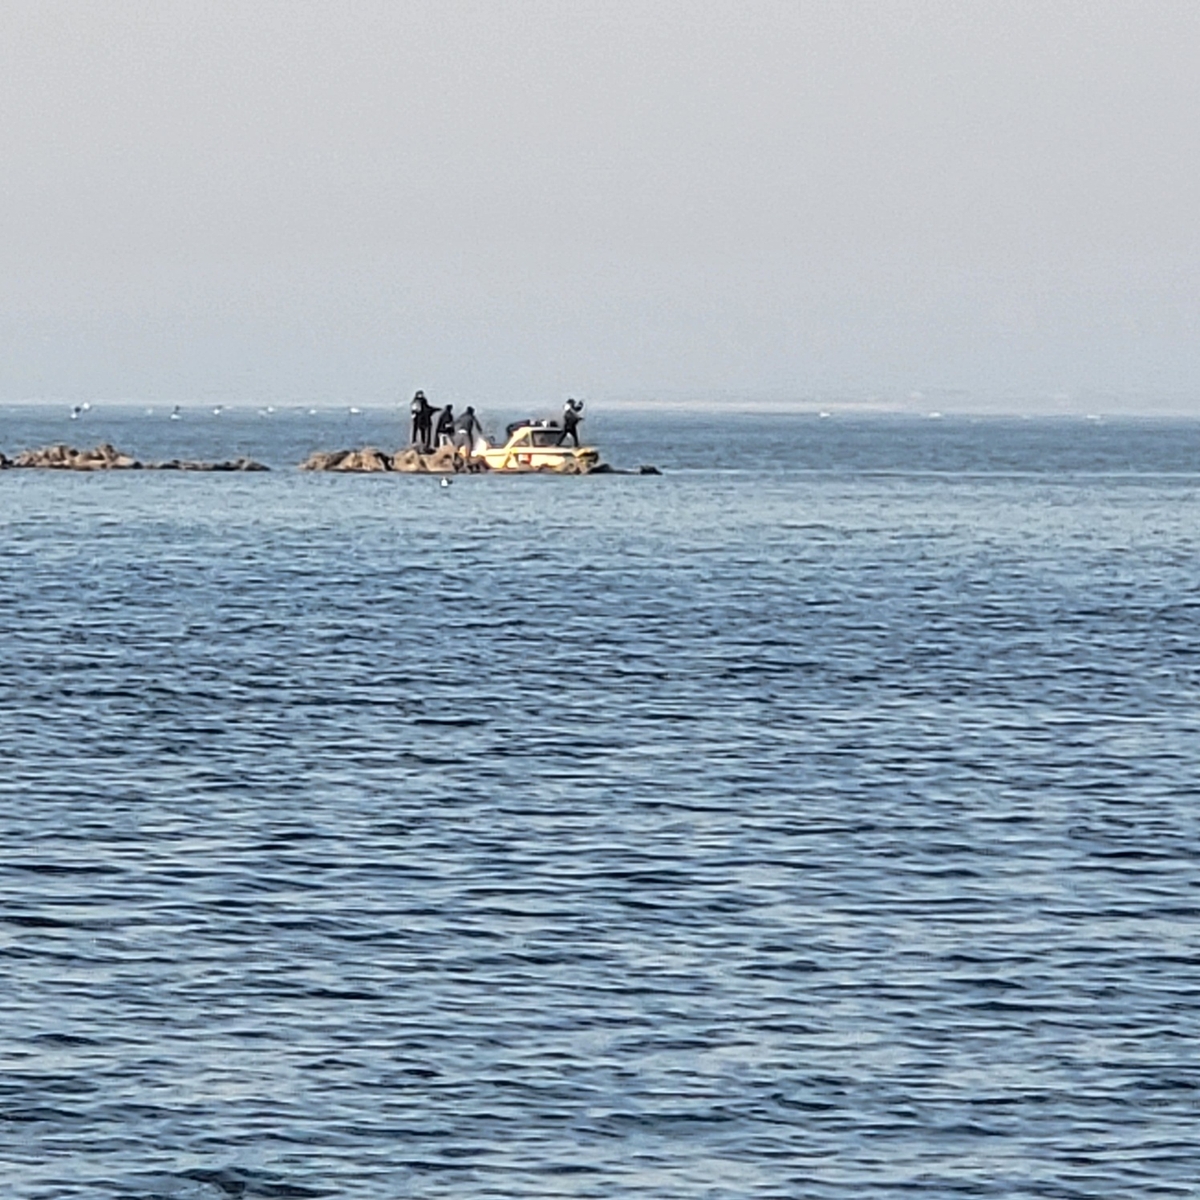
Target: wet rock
367 459
645 470
177 464
103 457
446 460
107 458
409 461
323 460
4 461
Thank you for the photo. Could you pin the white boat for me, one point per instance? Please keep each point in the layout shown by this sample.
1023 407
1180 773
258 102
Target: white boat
537 446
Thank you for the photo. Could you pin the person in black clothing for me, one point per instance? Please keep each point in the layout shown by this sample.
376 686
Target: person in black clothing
422 421
572 415
444 432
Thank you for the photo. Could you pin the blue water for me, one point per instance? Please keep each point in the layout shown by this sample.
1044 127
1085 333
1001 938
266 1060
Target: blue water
818 819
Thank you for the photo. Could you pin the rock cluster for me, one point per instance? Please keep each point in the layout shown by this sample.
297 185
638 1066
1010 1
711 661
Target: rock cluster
182 464
443 461
66 458
105 457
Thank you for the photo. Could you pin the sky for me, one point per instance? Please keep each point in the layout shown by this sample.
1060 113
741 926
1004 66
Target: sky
987 204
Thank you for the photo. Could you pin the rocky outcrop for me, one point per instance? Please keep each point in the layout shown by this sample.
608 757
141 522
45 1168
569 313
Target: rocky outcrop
106 457
367 459
103 457
178 464
443 461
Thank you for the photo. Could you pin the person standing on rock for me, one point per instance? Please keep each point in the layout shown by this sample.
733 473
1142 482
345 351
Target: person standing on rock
572 415
466 429
444 433
414 417
422 421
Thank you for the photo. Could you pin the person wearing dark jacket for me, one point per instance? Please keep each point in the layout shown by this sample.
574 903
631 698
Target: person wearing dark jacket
443 433
572 415
422 421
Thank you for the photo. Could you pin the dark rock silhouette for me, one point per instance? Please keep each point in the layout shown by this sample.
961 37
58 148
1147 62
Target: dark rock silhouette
106 457
176 464
366 459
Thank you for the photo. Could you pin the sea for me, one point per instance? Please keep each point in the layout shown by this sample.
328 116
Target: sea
815 819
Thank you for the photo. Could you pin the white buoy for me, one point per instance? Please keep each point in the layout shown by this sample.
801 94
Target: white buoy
445 483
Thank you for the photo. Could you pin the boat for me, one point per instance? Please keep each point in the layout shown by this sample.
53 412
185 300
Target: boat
534 446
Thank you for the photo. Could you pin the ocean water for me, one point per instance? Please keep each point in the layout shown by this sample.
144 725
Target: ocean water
818 819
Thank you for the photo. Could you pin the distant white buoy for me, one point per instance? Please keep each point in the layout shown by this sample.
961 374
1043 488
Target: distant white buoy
445 483
823 415
355 411
218 410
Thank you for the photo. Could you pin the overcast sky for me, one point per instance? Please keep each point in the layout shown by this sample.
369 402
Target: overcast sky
627 200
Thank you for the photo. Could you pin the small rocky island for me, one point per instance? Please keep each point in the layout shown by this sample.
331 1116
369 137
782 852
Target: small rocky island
446 460
105 457
443 461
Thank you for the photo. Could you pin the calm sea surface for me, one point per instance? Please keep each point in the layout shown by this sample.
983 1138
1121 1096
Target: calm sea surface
818 819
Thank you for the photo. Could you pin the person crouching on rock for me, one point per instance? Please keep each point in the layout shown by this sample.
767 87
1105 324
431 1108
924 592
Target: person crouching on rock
444 433
466 429
572 415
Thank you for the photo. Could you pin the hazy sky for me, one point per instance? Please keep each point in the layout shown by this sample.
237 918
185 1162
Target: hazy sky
686 200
